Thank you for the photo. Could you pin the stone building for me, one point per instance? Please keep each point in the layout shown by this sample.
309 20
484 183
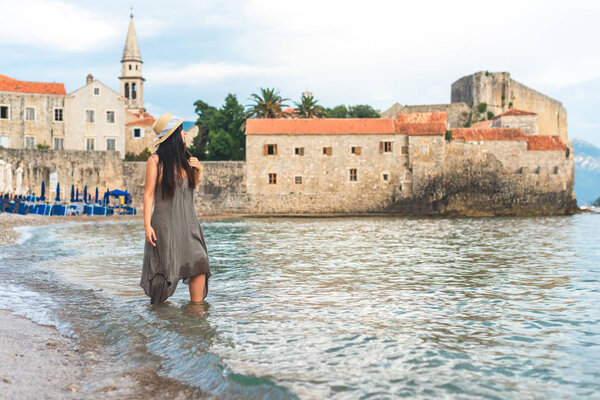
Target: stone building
500 93
95 118
404 165
481 96
31 114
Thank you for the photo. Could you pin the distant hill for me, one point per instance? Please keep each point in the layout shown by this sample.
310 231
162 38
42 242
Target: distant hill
587 172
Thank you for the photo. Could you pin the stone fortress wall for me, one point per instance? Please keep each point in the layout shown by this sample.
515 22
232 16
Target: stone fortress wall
501 93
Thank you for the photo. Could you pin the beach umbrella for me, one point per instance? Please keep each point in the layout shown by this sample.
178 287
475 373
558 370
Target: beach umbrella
8 178
57 192
106 197
19 187
85 195
72 193
96 197
43 192
77 194
1 176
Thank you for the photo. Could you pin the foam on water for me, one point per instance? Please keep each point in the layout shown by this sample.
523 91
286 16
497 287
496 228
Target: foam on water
342 308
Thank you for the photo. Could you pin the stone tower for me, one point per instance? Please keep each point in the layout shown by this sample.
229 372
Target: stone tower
132 83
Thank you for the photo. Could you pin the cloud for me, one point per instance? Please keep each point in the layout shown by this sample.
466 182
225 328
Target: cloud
203 73
54 25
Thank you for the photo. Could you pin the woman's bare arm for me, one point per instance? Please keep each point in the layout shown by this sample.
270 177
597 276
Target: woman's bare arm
151 176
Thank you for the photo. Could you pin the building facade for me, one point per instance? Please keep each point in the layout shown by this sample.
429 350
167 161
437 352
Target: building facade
32 114
95 118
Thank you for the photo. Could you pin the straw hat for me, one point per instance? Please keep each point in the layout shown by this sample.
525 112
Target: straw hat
164 126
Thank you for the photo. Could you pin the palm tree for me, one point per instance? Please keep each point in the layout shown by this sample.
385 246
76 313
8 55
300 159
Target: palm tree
268 104
308 107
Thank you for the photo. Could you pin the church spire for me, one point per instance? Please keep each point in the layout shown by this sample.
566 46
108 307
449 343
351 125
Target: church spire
131 52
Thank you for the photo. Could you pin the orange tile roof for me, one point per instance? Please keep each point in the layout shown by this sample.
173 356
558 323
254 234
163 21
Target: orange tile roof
536 142
137 114
426 123
258 126
482 124
144 121
8 84
514 112
474 134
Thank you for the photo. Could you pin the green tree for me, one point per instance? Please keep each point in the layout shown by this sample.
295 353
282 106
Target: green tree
217 128
357 111
308 108
205 114
363 111
267 104
337 112
219 145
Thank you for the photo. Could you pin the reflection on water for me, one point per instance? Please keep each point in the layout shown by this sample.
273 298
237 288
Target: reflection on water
344 308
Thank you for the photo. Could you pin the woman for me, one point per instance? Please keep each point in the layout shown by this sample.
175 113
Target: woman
175 248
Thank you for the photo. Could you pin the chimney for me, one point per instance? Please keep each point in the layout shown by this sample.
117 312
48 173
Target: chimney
89 79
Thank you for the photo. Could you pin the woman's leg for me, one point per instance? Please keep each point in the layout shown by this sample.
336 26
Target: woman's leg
197 284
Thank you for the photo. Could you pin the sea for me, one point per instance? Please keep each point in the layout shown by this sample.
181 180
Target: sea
340 308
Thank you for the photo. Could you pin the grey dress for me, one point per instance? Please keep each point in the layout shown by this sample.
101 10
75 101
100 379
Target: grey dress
180 251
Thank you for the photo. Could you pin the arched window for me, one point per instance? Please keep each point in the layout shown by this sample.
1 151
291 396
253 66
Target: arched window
133 91
127 90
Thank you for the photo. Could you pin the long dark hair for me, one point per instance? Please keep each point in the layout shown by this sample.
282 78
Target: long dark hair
173 157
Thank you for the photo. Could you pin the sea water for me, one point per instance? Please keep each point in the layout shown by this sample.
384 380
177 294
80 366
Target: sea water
335 308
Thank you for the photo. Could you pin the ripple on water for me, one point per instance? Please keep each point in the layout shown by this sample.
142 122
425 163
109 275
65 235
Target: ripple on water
343 308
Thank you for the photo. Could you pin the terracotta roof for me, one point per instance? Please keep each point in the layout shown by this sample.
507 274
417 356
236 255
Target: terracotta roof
514 112
426 123
474 134
137 114
144 121
8 84
536 142
258 126
482 124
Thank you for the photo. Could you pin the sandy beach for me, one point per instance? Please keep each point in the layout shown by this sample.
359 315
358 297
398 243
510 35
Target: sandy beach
36 359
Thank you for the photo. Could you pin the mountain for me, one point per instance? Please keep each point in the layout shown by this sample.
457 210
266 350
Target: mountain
587 171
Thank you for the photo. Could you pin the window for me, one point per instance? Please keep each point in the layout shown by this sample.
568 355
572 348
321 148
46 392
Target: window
127 90
407 176
355 150
111 144
110 117
299 151
90 116
89 144
353 175
385 177
404 150
29 142
96 91
270 149
58 143
424 149
58 115
4 141
130 67
272 179
298 180
3 112
133 91
137 132
555 170
29 114
136 67
385 147
327 151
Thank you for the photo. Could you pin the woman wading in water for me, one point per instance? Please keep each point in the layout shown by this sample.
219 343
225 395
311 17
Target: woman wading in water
175 248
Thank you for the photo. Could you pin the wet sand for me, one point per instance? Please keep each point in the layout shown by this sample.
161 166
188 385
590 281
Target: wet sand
36 361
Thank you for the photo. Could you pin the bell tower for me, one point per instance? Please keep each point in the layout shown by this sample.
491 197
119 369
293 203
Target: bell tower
132 83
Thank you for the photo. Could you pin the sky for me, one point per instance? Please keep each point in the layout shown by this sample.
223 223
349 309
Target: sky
345 52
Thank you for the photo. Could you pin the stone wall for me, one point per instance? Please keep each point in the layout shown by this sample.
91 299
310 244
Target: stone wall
43 129
527 123
502 93
457 114
74 167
